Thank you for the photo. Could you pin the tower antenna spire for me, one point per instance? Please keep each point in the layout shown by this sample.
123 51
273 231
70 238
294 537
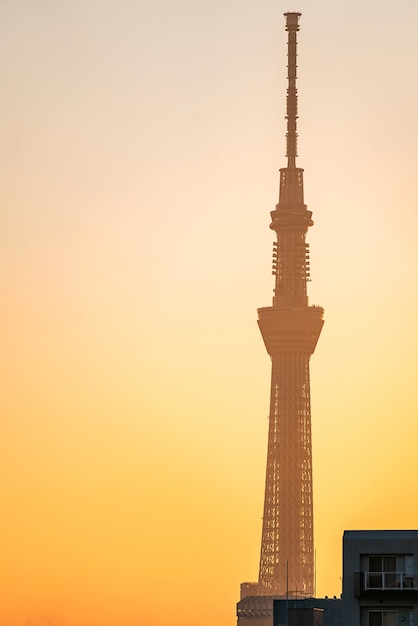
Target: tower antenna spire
292 27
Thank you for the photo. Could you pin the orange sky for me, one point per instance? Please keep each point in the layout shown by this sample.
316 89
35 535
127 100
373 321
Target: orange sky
139 156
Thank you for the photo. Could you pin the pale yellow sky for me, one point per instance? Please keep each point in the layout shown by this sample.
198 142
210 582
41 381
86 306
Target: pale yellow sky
139 154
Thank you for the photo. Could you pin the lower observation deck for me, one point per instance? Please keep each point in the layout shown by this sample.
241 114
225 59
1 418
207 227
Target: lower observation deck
291 329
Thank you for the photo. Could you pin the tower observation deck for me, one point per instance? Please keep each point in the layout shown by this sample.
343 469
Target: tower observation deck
290 329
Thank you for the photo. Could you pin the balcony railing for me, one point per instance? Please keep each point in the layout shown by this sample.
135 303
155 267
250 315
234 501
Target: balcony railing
390 581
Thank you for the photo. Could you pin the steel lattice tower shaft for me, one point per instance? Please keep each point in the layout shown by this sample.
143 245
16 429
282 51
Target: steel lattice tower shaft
290 330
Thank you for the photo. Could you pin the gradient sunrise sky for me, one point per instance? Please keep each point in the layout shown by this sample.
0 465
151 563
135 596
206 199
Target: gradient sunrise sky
139 156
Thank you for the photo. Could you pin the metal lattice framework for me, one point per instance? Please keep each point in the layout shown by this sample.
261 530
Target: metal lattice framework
290 330
288 527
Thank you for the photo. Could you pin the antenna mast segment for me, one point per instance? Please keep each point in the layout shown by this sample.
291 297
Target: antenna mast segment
292 27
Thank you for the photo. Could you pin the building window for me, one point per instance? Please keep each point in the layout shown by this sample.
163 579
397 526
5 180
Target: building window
382 618
382 572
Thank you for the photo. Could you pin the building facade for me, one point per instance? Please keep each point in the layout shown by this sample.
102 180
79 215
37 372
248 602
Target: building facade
380 577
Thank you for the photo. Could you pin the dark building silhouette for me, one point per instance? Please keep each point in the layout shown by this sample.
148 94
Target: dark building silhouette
290 329
380 578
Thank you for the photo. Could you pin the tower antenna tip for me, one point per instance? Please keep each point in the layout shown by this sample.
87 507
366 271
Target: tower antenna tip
292 20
